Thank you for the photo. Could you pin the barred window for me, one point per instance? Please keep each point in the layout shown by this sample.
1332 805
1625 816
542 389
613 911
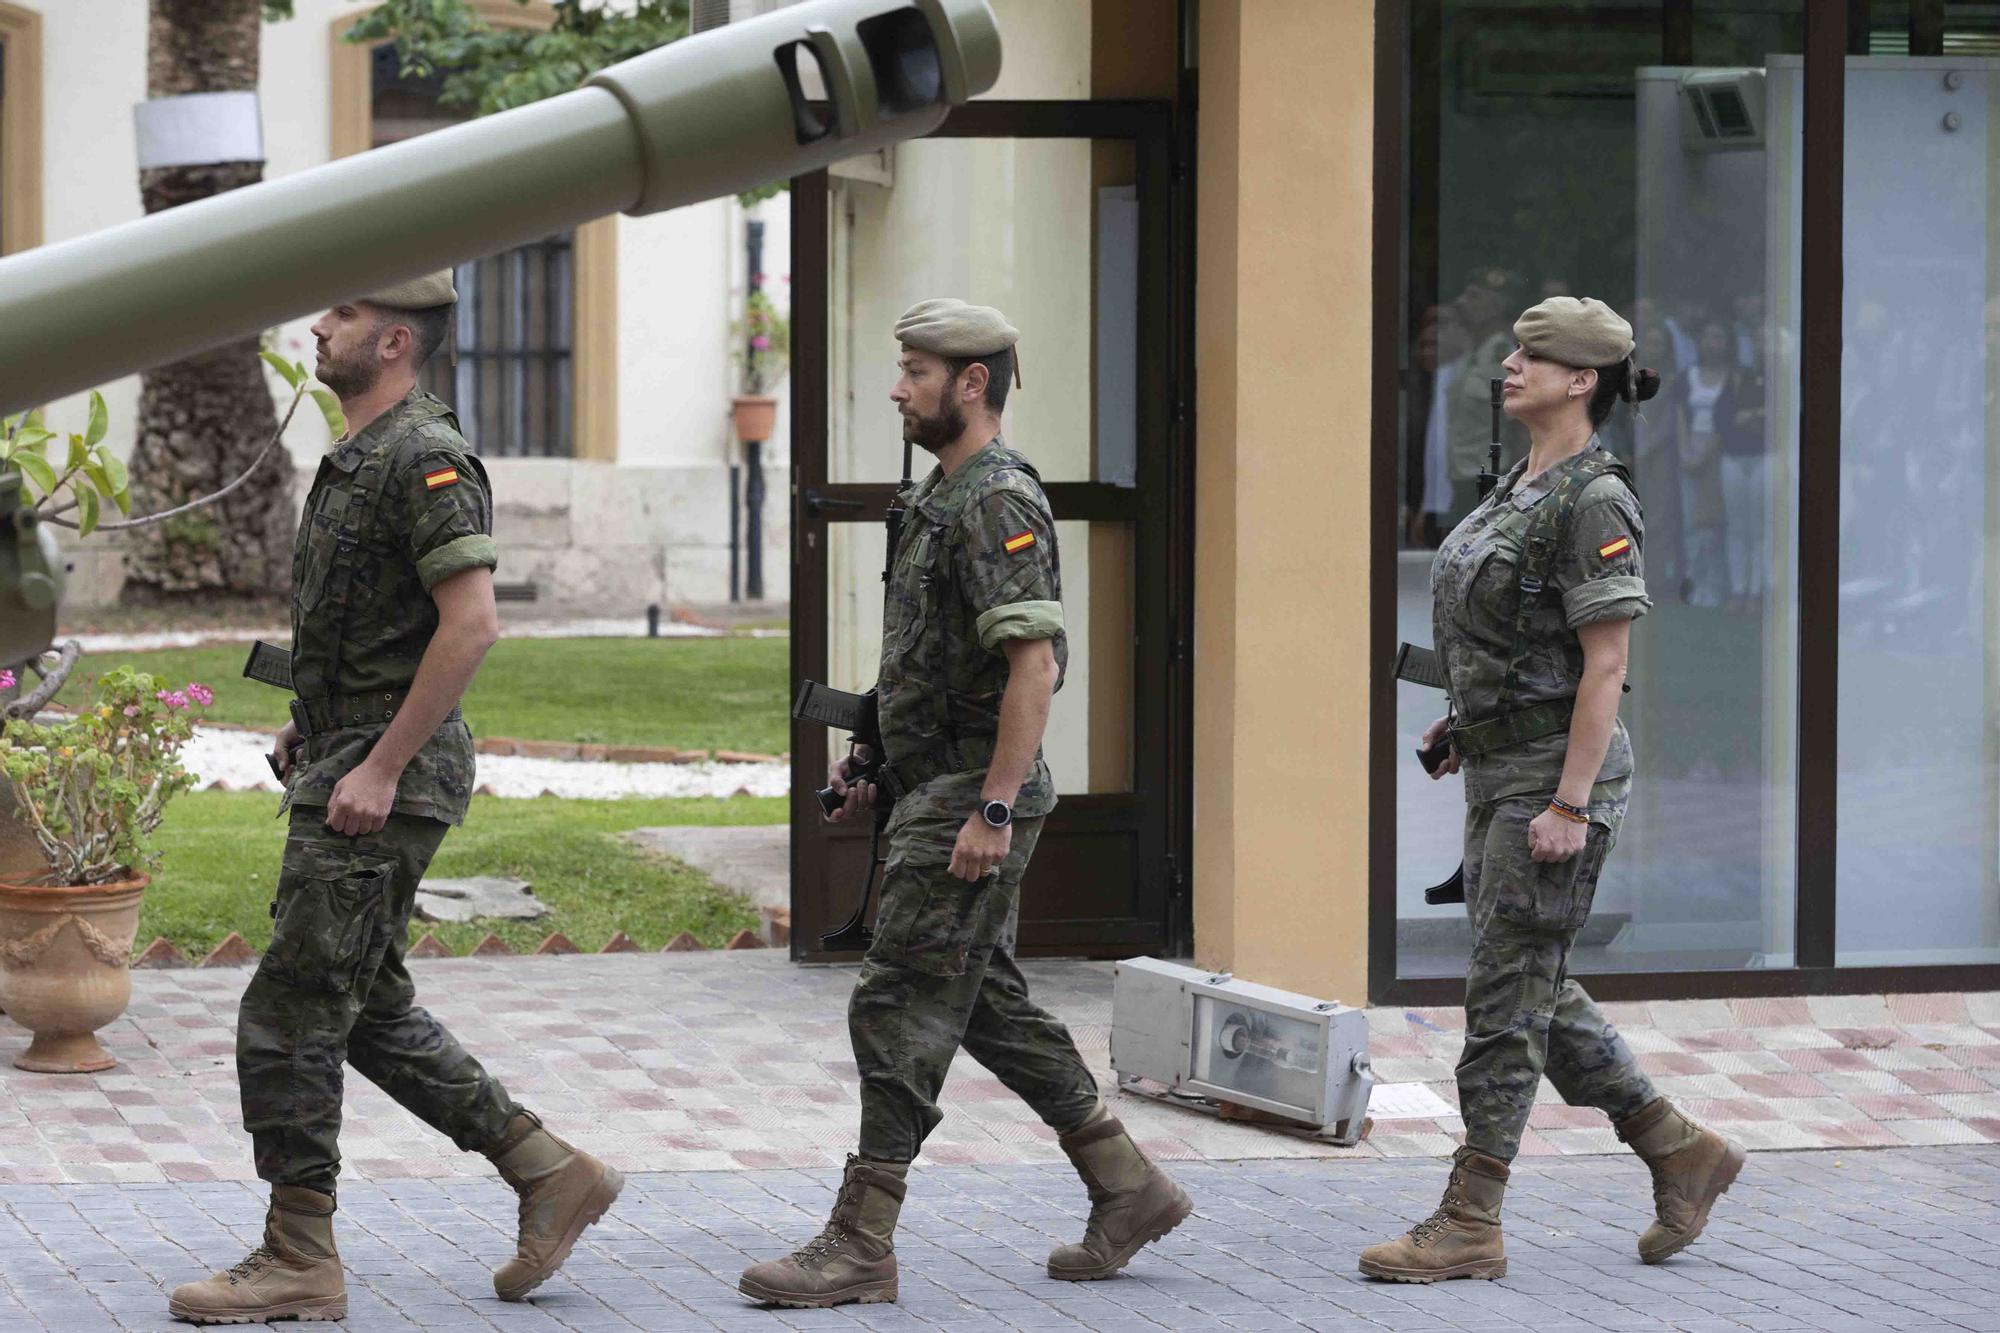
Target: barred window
511 383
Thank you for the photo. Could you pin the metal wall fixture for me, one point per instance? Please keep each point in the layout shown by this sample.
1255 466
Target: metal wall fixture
1206 1037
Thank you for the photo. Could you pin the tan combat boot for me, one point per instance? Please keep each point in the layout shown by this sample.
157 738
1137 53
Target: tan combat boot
853 1258
562 1192
1461 1239
1691 1167
294 1274
1132 1201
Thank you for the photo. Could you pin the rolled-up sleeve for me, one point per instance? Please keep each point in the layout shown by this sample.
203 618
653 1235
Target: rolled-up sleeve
1604 577
449 515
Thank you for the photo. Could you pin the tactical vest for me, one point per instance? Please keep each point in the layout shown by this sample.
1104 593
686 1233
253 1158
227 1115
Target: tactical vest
1550 530
324 577
943 533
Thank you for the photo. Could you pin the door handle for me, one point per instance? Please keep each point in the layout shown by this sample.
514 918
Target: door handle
818 505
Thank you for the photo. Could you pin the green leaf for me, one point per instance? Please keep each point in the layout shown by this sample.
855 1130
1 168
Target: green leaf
33 421
36 469
122 497
114 470
99 477
8 425
329 407
32 438
293 374
100 419
86 520
79 454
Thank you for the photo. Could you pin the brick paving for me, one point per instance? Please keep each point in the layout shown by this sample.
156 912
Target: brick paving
723 1085
740 1061
1868 1242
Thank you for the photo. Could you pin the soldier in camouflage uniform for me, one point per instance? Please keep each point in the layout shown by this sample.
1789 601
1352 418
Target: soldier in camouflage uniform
972 651
392 613
1534 595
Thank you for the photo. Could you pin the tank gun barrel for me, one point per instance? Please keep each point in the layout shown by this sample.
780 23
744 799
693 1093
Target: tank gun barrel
707 116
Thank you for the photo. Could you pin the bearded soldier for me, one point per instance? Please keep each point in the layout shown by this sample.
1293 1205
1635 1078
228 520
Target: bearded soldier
972 652
392 613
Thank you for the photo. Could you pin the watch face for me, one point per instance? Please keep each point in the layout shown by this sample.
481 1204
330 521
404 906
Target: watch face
998 813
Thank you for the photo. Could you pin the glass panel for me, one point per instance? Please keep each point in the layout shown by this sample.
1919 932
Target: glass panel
1089 741
995 222
1920 512
1273 1056
1552 152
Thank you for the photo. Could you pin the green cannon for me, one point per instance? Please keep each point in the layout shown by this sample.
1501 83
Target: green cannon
711 115
31 577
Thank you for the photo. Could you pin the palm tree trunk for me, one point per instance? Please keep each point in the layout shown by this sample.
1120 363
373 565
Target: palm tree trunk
202 420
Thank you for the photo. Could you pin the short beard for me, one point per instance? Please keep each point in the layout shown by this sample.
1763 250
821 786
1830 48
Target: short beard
356 373
935 432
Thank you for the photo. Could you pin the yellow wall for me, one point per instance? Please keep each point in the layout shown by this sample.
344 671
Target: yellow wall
1281 583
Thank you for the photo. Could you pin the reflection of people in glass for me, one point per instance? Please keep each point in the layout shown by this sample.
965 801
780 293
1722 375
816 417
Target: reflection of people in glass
1702 514
1534 595
1441 345
1482 308
1739 418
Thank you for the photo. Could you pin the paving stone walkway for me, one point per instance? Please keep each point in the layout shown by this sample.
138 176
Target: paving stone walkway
1896 1241
740 1061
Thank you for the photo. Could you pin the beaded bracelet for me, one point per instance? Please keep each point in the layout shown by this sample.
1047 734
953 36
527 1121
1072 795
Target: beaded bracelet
1573 813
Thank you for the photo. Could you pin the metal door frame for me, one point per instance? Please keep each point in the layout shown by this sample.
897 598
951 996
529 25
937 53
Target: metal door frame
1160 510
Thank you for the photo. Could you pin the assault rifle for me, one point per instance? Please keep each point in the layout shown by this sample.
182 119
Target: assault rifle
1420 666
856 715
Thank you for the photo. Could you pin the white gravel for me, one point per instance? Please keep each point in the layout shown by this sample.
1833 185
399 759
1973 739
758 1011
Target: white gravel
634 628
237 758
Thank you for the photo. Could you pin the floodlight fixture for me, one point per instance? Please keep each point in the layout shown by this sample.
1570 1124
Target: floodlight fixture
1205 1036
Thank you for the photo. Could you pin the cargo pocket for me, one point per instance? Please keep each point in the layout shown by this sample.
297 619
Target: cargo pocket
325 925
1563 891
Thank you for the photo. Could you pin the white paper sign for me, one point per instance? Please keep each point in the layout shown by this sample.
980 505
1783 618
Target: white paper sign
1408 1101
199 128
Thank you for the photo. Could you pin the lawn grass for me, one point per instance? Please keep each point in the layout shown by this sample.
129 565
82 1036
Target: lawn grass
221 852
694 694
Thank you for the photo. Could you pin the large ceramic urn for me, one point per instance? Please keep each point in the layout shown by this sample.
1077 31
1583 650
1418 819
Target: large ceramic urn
65 967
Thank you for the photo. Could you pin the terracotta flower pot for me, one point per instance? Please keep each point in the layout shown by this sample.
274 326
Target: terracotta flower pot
65 967
756 415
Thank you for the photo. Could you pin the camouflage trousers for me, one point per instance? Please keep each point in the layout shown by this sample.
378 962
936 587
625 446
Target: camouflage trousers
1524 1016
333 990
941 975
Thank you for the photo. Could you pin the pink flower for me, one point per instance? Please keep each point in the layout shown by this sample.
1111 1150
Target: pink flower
172 698
6 680
760 342
131 710
200 693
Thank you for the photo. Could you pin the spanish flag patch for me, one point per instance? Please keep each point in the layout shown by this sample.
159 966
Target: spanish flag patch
444 476
1019 542
1618 547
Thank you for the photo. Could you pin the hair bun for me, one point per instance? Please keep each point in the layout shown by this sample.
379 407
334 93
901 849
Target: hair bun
1645 383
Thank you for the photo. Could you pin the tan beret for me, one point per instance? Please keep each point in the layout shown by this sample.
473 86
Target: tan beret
432 289
1573 331
949 327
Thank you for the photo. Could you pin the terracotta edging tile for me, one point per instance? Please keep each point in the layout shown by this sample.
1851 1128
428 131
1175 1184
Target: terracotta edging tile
233 951
161 953
430 946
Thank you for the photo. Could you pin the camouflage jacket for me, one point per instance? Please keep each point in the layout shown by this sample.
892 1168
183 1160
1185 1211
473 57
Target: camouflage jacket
392 513
1597 574
976 565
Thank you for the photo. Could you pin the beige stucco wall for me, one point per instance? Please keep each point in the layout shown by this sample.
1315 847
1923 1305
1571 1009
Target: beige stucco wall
1281 582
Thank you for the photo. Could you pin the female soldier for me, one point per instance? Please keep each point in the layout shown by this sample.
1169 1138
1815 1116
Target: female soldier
1534 598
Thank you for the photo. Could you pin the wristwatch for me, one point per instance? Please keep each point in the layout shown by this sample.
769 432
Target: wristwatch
997 813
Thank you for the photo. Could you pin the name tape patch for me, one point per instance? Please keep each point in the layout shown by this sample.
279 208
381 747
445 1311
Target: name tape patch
1019 542
444 476
1614 548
